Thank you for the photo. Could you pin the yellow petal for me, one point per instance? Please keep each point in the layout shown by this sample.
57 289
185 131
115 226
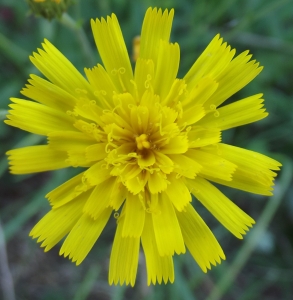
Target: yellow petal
212 164
83 236
177 145
246 157
77 158
118 195
254 170
67 191
156 27
99 198
88 109
139 118
97 173
157 182
144 75
178 192
211 63
113 52
242 180
168 116
89 129
158 267
96 152
59 70
191 115
185 166
49 94
146 159
124 258
58 222
34 159
136 184
239 113
134 216
223 209
200 93
177 93
200 136
166 68
120 133
127 172
65 140
151 101
199 240
235 76
164 162
37 118
101 81
166 227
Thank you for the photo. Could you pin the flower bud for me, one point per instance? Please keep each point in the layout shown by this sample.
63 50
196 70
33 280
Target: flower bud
49 9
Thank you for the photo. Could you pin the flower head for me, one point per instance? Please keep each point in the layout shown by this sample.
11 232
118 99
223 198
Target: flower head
49 9
147 140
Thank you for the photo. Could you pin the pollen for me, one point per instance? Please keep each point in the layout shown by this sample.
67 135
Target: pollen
142 142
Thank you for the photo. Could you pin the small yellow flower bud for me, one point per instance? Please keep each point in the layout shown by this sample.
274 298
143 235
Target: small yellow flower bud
49 9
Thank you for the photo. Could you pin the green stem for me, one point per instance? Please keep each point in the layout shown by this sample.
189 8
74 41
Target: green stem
67 21
243 255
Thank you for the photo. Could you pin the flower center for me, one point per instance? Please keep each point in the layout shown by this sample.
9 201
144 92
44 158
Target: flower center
142 142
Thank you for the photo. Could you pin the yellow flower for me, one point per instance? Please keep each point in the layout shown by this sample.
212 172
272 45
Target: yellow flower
147 140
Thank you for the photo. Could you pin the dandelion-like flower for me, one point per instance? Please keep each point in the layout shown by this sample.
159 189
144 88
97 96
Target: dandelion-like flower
147 140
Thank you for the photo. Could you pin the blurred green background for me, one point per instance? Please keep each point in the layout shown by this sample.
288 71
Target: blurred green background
258 267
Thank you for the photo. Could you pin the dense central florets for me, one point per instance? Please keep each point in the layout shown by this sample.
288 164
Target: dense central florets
142 142
142 135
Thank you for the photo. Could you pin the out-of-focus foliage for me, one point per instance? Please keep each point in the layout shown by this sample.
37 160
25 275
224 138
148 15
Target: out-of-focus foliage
260 266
